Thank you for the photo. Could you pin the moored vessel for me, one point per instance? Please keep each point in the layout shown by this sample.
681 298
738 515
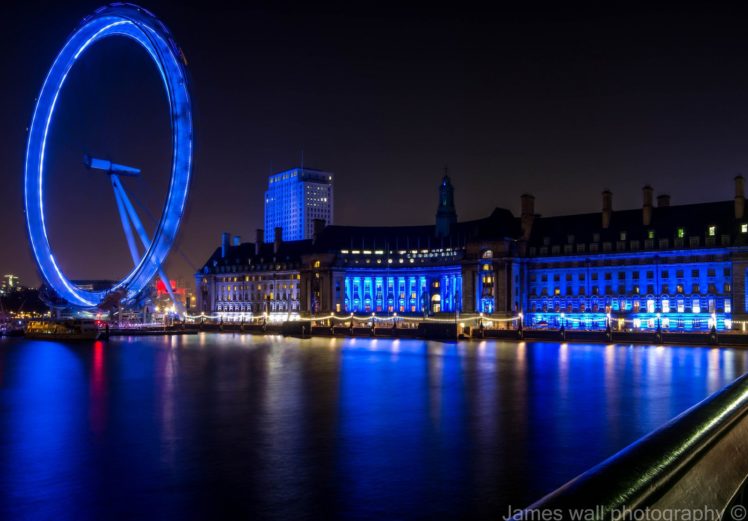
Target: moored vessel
77 329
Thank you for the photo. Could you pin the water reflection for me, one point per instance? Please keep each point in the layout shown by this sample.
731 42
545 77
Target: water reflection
274 428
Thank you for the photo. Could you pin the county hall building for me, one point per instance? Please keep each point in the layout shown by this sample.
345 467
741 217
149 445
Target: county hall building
676 267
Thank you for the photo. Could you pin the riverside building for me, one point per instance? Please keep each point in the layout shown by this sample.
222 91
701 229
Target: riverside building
679 268
294 199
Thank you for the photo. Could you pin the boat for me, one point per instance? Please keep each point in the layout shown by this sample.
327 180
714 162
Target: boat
77 329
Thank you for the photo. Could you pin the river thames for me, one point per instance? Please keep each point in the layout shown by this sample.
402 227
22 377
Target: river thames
210 425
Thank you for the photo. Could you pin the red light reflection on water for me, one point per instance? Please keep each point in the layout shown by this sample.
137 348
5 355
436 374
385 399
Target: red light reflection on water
97 410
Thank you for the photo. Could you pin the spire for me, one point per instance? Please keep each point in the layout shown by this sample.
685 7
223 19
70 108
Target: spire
446 215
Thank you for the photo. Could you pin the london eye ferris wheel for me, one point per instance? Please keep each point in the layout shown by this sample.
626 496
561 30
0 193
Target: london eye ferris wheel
141 26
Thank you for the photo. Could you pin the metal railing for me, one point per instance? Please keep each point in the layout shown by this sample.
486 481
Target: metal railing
697 461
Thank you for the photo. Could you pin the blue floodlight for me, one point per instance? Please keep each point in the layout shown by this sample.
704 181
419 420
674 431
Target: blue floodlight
143 27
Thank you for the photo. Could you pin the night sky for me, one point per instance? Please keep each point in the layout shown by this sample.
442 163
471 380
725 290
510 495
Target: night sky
558 103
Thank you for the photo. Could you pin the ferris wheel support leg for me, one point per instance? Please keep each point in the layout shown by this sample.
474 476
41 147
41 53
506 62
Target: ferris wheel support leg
125 222
130 210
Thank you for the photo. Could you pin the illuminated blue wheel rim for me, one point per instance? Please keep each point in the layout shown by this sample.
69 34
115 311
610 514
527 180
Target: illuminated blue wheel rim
143 27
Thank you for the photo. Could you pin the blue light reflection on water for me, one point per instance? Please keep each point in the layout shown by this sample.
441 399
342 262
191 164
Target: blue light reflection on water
199 426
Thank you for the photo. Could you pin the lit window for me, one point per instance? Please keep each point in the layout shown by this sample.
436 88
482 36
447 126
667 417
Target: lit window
651 234
744 228
681 233
623 236
666 306
712 230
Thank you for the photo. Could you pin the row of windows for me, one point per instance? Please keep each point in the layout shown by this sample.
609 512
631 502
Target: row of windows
255 297
635 275
651 305
680 233
258 286
253 278
259 308
665 289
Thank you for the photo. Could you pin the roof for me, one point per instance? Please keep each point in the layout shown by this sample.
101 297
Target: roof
694 219
290 252
499 225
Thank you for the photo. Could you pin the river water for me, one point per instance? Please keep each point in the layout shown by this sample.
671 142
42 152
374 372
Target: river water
236 426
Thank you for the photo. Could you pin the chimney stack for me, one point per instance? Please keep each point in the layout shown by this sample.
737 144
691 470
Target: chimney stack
259 239
527 215
237 240
607 208
278 239
663 201
647 205
225 238
319 225
739 197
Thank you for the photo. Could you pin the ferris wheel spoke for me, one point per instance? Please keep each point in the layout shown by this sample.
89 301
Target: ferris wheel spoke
131 243
133 217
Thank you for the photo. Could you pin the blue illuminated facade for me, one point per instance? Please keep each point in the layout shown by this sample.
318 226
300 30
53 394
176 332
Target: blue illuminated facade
414 291
646 290
663 268
294 199
141 26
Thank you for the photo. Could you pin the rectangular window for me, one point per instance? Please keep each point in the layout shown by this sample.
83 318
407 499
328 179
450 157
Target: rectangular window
681 233
712 231
744 228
